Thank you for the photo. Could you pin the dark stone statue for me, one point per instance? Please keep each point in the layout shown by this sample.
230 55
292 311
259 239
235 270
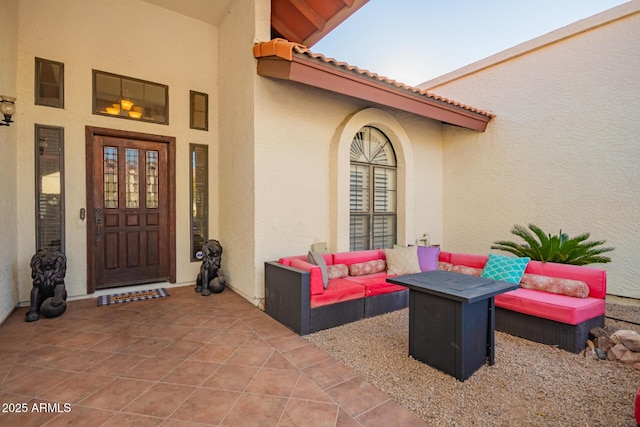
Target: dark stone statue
48 294
210 279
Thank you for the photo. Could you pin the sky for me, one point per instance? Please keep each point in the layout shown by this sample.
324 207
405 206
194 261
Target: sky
413 41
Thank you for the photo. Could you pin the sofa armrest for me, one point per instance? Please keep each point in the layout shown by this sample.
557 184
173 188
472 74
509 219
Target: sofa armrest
287 296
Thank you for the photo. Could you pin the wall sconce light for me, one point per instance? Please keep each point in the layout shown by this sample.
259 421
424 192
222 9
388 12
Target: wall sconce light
8 108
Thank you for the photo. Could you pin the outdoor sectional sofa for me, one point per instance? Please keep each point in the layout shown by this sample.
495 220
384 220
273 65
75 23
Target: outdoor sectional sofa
545 317
294 295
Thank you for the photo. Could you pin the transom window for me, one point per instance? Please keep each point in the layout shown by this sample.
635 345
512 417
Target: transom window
373 191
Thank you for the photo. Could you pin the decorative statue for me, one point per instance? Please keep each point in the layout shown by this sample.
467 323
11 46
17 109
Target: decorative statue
48 295
210 278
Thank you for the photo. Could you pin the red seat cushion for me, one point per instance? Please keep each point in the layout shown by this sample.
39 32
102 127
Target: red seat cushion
376 284
560 308
338 290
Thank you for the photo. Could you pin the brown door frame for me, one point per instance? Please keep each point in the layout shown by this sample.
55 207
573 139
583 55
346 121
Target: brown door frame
90 133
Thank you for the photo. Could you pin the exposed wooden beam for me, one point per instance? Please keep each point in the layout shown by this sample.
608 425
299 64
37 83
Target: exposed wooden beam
310 13
284 30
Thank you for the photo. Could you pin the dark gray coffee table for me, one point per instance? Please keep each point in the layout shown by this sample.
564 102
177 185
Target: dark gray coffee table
452 319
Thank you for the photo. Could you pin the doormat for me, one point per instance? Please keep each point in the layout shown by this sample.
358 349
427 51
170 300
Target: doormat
132 296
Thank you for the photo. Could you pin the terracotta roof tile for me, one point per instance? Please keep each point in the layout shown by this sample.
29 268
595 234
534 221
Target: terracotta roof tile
285 49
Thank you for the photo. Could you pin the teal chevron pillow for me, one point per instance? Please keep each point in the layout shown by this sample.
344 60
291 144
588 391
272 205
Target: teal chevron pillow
505 268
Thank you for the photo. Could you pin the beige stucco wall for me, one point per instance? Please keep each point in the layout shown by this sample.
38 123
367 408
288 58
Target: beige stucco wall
302 159
562 152
8 144
127 37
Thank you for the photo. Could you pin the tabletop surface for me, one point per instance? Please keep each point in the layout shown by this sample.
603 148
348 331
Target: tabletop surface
456 286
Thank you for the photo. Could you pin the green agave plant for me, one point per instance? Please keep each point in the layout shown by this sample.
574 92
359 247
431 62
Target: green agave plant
560 248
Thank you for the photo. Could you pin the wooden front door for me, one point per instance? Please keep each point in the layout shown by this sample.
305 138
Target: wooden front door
130 208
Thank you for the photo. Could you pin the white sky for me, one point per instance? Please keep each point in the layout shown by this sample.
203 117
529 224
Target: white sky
413 41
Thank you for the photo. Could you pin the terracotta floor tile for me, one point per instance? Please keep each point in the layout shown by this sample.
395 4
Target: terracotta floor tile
302 357
38 382
203 335
185 360
255 410
274 382
150 369
206 406
307 389
180 349
75 388
80 416
117 394
328 373
214 353
160 400
231 377
251 356
357 396
115 343
308 413
115 365
191 372
147 346
390 413
132 420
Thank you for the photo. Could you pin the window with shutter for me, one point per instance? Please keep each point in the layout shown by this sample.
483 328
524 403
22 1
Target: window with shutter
373 191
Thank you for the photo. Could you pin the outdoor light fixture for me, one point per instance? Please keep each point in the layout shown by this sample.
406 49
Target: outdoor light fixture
8 108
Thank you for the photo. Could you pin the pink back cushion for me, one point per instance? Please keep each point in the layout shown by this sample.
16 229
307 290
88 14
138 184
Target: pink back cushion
316 287
595 278
470 260
349 258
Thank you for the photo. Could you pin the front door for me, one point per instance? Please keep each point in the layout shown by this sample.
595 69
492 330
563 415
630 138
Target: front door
129 209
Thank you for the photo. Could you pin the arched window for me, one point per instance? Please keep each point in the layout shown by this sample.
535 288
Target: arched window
373 191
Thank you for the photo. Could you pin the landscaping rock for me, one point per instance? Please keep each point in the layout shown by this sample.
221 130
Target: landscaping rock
630 339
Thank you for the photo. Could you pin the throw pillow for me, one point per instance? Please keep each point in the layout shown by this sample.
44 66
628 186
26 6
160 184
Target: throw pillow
446 266
555 285
316 258
463 269
368 267
337 271
402 260
428 257
505 268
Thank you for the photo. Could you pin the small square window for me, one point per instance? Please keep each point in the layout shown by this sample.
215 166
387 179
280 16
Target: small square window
199 110
49 83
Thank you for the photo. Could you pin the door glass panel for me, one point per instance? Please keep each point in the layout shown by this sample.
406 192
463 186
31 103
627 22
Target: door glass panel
152 179
110 157
384 231
132 177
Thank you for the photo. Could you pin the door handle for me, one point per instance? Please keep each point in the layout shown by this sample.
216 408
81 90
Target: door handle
98 223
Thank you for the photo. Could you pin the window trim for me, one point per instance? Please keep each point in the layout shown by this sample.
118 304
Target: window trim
38 184
192 148
133 79
38 100
192 110
371 211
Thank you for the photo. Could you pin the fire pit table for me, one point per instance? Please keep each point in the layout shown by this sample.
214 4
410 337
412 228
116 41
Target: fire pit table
451 319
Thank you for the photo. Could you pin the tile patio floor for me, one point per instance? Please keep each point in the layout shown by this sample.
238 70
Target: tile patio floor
184 360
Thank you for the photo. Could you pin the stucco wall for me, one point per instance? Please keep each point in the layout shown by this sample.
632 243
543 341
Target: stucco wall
131 38
562 152
302 168
8 143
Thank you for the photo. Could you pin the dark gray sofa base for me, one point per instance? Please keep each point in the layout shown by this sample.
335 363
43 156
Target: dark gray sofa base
572 338
287 299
